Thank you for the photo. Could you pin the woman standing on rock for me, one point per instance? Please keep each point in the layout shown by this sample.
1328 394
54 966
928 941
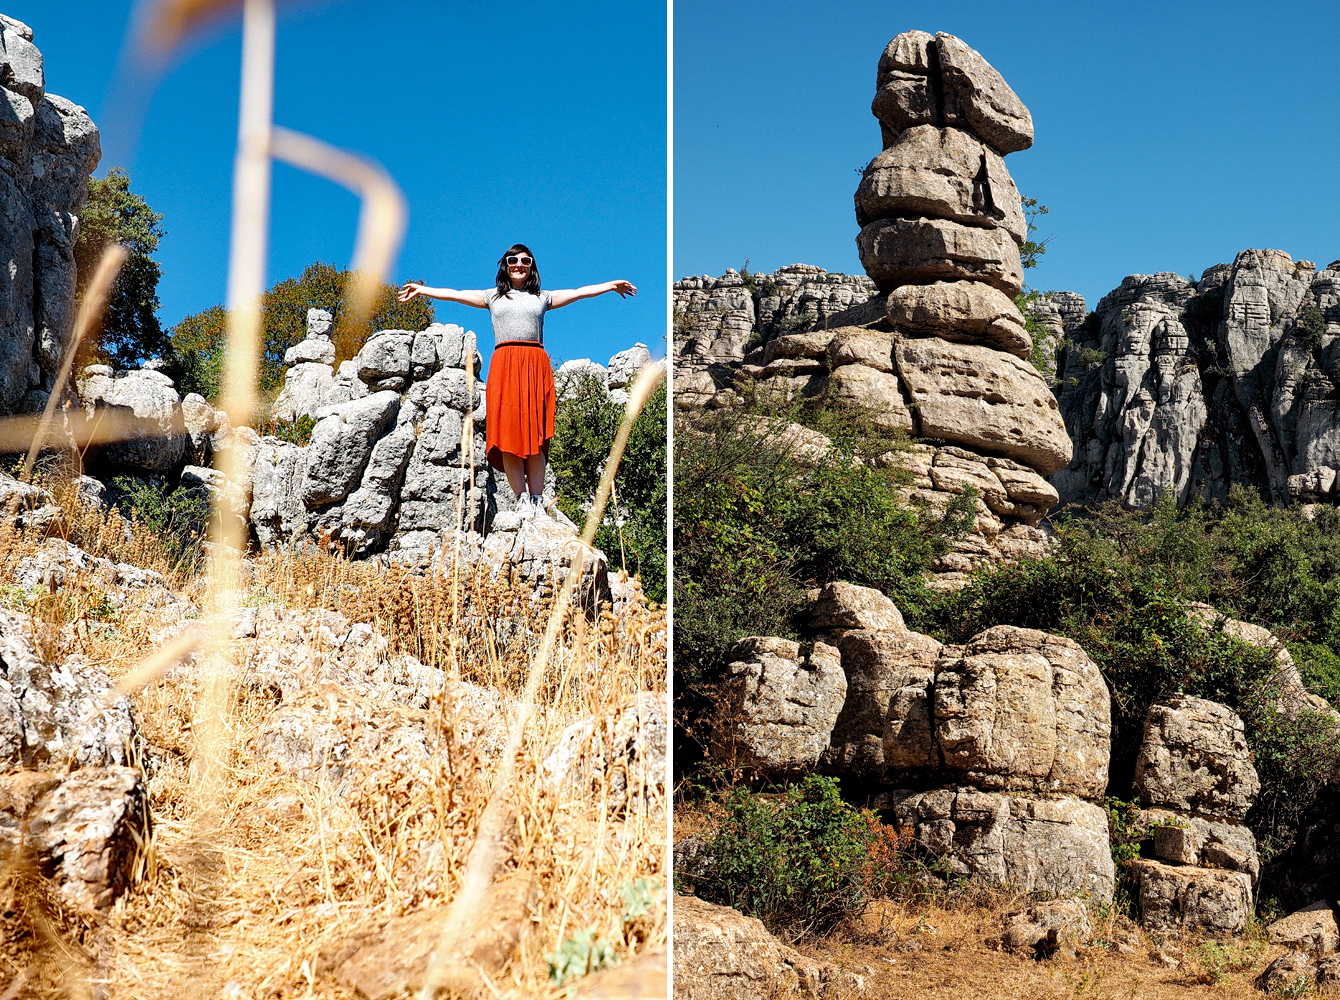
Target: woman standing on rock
519 420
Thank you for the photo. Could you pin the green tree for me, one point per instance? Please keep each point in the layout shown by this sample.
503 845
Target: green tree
198 342
131 332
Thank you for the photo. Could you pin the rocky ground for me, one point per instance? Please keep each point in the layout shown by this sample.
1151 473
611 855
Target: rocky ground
353 776
963 949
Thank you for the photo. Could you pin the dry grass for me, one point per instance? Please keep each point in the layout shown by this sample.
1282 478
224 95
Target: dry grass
939 951
243 906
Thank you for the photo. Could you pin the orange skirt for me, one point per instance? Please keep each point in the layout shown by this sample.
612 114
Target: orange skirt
519 419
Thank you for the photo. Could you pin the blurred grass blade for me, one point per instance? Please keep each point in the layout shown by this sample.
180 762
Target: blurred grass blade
479 866
381 223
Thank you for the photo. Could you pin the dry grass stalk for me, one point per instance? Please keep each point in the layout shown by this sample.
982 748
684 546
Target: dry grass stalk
488 840
96 295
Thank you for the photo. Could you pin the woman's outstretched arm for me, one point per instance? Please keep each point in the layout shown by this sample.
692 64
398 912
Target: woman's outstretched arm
558 300
412 289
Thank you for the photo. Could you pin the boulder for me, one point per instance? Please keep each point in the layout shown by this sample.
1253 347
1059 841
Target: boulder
320 323
1221 843
88 831
571 375
1057 845
778 708
57 715
1179 898
843 605
859 346
341 444
990 402
644 978
719 954
202 423
1194 758
1292 974
390 958
314 350
385 355
277 513
1043 928
885 723
978 97
622 754
1312 929
156 434
966 312
625 365
919 251
1019 708
941 173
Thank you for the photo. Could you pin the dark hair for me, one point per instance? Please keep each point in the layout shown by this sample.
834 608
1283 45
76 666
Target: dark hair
504 280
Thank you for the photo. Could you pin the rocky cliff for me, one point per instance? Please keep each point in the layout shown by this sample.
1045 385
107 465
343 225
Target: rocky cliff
48 148
1173 386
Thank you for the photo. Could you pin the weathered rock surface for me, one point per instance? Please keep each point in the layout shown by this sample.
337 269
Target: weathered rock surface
1176 898
1312 929
89 831
843 605
719 954
157 437
48 148
1043 928
939 80
1287 973
986 400
53 715
779 707
1186 388
919 251
624 753
392 957
962 311
943 174
1194 758
1057 845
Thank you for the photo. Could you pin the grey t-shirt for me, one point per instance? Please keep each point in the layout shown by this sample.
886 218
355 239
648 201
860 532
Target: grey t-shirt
517 315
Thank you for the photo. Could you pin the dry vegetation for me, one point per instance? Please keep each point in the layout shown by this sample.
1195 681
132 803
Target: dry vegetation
939 950
242 899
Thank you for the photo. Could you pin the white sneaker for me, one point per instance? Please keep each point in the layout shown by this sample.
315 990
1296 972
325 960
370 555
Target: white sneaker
538 505
524 508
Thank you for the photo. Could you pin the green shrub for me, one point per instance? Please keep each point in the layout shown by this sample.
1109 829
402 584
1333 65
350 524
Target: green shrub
297 432
1313 325
1119 584
633 535
800 861
179 516
755 526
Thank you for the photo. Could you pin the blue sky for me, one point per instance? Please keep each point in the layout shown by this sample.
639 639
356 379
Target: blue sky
544 125
1169 136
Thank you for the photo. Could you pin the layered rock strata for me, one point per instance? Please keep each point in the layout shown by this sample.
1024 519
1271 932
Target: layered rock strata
932 341
1195 777
993 752
1183 387
48 148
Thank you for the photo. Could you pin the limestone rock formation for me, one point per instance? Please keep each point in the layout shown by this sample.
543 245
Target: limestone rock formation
932 343
1194 758
719 954
48 148
1177 898
84 830
1186 387
1195 776
1312 929
1057 845
779 707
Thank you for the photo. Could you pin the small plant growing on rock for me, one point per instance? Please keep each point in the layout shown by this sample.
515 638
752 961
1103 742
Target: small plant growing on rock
1313 327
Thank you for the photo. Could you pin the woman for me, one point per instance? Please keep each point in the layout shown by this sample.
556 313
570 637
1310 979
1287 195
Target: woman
519 421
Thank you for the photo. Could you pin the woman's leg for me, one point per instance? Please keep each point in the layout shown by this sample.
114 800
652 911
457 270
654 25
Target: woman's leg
515 468
535 474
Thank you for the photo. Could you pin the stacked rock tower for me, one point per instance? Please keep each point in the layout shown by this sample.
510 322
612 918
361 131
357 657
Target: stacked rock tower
941 226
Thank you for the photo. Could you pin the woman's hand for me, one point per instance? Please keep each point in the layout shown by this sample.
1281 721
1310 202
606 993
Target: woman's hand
409 290
624 288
